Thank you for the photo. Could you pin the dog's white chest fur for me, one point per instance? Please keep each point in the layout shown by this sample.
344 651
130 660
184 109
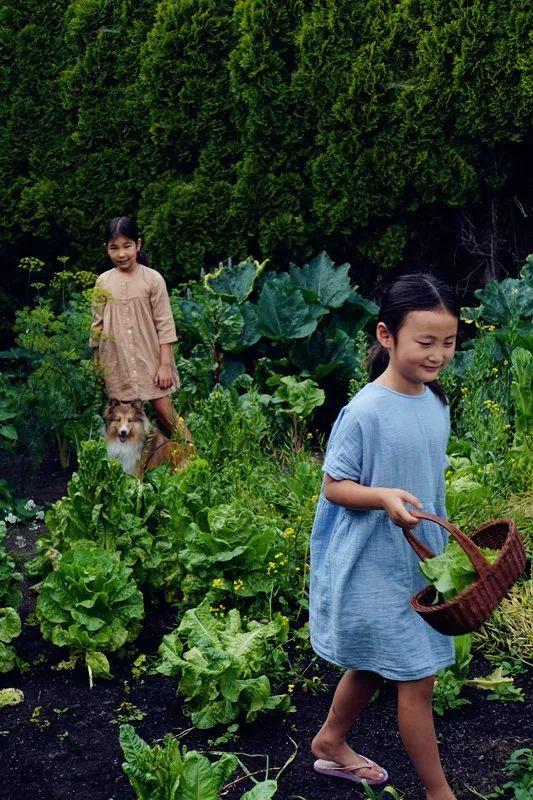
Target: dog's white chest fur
128 453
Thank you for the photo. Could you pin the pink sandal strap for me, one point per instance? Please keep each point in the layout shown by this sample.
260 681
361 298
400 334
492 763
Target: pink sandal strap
354 767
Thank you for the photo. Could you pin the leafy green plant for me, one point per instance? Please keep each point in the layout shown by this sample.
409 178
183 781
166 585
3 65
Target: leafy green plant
60 394
522 395
242 317
115 511
10 627
90 604
519 769
499 685
298 399
223 665
10 697
449 682
168 771
10 579
10 597
452 571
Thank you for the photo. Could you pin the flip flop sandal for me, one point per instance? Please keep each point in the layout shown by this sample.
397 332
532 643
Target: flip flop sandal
335 770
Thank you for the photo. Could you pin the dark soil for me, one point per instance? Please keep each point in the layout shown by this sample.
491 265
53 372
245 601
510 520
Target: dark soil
71 751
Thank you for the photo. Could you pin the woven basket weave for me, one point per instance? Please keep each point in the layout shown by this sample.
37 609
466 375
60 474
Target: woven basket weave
468 610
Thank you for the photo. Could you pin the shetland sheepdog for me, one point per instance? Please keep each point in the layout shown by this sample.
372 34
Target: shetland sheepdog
135 443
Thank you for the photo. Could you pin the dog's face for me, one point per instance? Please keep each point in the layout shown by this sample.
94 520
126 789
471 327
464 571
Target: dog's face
124 421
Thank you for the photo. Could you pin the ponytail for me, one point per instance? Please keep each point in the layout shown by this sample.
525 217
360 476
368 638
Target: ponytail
143 259
377 361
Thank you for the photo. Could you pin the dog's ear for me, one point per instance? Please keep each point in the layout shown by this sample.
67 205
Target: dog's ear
138 405
110 406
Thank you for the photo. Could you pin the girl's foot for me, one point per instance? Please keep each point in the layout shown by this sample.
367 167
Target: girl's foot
342 754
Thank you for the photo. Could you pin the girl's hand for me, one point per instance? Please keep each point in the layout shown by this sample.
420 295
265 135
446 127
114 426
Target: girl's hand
393 503
163 377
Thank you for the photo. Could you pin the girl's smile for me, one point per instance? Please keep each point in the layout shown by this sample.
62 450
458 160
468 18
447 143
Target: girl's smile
123 253
424 344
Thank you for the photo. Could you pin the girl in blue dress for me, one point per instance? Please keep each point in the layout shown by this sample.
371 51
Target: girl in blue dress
386 454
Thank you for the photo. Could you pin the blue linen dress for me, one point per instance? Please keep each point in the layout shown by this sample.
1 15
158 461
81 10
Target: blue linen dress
363 570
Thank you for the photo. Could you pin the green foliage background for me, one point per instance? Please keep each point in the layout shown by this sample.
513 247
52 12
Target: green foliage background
252 126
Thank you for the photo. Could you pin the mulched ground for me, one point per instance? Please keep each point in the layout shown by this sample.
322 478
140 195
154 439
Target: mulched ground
72 751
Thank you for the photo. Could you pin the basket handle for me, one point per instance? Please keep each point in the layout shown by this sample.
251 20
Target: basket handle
479 562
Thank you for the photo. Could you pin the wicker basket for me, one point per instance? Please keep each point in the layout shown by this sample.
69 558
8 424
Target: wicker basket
468 610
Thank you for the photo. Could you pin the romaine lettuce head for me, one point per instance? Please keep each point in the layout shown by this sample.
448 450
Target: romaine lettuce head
221 664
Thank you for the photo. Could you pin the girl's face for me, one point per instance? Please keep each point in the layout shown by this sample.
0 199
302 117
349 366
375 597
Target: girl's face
123 252
424 344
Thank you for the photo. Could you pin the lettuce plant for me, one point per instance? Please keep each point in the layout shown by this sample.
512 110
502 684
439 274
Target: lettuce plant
10 628
90 604
10 597
222 665
168 771
115 511
10 579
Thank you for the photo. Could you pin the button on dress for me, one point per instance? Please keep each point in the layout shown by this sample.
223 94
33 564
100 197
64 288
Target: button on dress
363 570
128 327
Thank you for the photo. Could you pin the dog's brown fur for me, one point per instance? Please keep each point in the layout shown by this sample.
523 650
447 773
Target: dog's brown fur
133 441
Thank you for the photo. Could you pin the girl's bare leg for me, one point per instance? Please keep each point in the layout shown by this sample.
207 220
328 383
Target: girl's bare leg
167 414
417 729
352 694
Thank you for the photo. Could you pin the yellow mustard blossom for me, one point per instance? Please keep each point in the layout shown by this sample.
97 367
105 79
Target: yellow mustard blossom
290 688
314 498
238 584
218 583
288 532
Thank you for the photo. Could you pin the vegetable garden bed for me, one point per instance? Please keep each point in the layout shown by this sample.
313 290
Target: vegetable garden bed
62 741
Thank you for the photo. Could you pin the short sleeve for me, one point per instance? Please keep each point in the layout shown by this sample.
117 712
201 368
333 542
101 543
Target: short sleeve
161 311
344 452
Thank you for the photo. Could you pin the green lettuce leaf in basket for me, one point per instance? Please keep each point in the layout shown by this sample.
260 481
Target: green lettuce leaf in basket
452 571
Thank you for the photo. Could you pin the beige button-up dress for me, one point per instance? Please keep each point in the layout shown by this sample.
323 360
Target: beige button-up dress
128 327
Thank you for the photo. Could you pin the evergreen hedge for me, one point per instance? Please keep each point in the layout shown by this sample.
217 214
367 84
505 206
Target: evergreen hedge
271 127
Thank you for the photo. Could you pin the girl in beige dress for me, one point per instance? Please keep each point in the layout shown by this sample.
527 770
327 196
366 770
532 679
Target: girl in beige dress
133 328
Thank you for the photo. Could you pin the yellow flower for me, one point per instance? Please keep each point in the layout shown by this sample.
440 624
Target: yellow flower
290 688
218 583
314 498
238 584
288 532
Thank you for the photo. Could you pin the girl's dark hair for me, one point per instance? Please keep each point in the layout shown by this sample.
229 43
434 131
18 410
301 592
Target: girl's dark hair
416 292
125 226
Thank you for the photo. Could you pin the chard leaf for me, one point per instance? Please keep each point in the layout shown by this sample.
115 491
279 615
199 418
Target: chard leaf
261 791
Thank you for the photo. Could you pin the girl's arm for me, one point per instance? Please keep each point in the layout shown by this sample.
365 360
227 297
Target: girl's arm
353 495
